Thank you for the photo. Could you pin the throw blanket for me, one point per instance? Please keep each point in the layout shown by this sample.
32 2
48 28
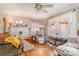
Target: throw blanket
13 40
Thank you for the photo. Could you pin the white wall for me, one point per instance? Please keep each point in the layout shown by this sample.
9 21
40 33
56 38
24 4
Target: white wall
1 22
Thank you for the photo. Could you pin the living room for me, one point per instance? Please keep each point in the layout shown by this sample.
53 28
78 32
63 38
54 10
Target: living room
39 29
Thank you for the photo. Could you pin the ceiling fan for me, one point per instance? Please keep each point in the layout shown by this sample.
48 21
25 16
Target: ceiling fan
41 7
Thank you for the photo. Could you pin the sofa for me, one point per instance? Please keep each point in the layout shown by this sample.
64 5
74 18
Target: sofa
6 49
9 50
56 41
70 48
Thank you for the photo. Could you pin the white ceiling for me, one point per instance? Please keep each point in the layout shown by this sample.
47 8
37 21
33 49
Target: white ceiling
28 10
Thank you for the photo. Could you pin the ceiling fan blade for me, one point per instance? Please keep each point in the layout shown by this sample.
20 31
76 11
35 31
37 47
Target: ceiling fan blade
48 5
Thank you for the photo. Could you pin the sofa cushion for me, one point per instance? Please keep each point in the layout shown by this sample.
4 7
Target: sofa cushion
73 40
72 45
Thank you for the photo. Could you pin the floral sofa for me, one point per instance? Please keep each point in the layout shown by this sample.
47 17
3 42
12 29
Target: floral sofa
7 49
70 48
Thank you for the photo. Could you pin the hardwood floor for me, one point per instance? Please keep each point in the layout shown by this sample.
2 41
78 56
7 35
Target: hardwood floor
39 50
